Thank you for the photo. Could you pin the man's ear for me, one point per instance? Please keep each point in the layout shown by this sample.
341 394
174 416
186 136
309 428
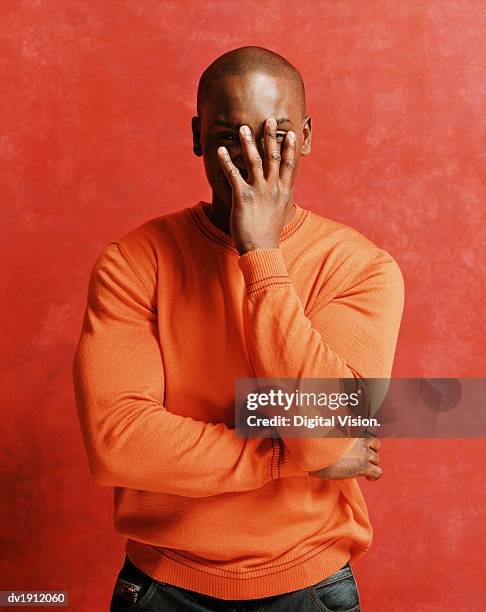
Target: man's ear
307 131
196 136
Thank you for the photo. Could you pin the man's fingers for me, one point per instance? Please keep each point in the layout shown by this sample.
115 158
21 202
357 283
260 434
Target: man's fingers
252 157
287 165
272 149
373 472
373 457
375 444
232 173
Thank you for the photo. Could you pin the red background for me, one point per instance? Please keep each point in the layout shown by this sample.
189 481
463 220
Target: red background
97 99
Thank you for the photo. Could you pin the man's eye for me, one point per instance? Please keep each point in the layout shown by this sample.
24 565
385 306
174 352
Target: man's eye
229 137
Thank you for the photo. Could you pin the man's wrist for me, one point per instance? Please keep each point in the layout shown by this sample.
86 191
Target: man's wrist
255 246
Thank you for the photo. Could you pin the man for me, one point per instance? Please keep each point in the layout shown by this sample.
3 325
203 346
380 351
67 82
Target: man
251 285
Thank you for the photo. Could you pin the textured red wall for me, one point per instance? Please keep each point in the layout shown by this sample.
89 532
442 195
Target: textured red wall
95 138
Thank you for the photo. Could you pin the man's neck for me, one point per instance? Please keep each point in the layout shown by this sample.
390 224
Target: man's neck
219 215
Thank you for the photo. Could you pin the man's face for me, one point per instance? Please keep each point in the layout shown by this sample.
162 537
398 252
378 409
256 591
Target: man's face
246 99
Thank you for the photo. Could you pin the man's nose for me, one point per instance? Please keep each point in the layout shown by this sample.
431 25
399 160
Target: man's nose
239 159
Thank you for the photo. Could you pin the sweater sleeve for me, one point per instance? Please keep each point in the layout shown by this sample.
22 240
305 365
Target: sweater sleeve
131 439
353 334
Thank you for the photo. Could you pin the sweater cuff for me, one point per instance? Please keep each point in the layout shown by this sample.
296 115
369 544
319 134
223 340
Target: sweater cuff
263 268
283 463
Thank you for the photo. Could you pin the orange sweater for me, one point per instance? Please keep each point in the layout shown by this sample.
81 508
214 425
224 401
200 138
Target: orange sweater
174 315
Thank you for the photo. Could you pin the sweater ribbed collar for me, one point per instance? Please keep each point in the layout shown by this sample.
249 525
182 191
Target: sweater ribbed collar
217 235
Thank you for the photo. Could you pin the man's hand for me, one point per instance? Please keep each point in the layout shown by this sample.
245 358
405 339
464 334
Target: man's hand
361 460
260 204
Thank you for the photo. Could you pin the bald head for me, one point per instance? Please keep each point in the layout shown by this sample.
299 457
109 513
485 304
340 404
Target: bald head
246 60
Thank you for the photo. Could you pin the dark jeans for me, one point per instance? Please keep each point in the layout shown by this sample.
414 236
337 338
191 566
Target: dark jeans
134 590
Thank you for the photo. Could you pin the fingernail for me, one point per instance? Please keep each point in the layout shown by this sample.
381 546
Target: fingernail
245 129
291 136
